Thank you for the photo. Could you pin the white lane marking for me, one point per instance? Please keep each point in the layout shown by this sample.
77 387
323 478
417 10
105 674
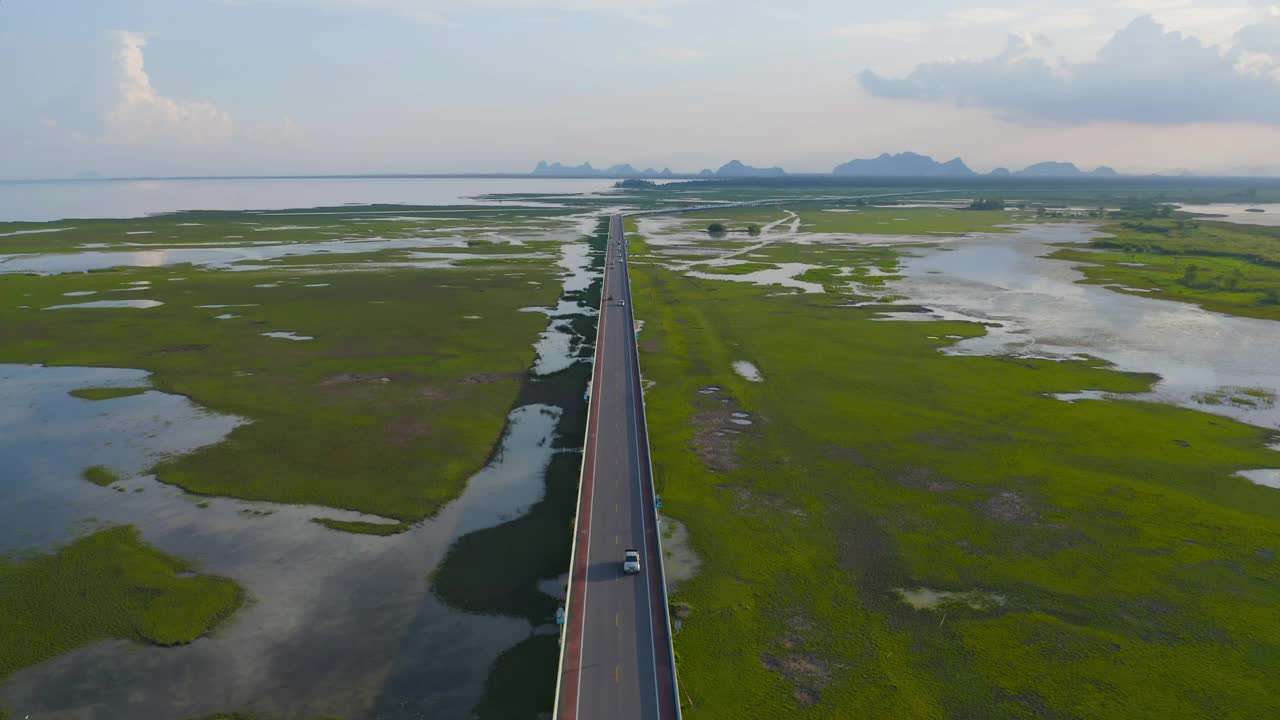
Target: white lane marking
635 443
595 461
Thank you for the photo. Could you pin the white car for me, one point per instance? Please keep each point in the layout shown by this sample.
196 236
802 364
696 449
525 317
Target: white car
631 562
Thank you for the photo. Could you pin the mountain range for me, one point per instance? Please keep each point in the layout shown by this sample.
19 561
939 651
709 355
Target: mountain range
733 168
906 164
909 164
585 169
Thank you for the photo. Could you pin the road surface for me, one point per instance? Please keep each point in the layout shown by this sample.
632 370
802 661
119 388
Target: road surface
617 662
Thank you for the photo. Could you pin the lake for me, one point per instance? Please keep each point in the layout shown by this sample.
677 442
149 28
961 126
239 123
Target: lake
1236 213
43 201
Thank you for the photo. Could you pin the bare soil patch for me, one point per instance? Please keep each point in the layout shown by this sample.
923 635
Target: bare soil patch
920 477
808 673
719 429
1009 506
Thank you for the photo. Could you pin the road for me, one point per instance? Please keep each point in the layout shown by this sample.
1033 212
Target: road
616 663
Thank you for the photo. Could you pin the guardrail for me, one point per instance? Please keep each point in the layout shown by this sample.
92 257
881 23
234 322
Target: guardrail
648 463
644 418
586 437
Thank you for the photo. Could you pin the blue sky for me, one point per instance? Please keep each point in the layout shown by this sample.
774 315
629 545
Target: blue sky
146 87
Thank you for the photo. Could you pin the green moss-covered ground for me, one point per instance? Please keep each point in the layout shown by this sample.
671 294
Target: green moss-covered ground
1104 560
1223 267
101 475
107 393
107 585
868 219
396 401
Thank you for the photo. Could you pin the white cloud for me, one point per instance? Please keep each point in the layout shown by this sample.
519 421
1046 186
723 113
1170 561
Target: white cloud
141 115
137 114
1144 74
1211 25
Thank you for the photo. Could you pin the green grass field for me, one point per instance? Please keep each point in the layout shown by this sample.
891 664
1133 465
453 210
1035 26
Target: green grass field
822 218
106 585
1094 559
107 393
1223 267
397 400
101 475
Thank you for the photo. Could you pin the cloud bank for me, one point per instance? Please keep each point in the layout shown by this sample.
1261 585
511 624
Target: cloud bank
1143 75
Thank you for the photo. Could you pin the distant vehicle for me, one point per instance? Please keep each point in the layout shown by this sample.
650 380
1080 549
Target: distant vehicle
631 562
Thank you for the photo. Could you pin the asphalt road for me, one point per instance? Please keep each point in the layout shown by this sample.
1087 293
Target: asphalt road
616 663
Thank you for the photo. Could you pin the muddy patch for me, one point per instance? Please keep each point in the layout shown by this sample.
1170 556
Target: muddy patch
1012 508
865 548
808 673
343 378
485 378
719 429
920 477
680 561
930 599
747 501
1021 523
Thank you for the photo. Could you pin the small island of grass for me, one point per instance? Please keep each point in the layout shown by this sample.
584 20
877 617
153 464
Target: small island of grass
101 475
106 585
107 393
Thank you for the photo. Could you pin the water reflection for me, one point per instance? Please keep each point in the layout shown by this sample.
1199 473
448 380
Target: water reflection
55 200
338 624
1042 311
1236 213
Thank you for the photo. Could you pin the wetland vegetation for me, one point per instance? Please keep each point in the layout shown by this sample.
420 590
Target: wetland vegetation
336 420
1223 267
106 585
1098 558
413 337
881 526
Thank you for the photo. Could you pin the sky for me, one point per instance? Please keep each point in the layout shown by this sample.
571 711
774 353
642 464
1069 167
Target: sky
215 87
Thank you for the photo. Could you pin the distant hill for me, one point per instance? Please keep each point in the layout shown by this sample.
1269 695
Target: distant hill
1065 169
904 164
558 169
624 170
734 168
907 164
1051 169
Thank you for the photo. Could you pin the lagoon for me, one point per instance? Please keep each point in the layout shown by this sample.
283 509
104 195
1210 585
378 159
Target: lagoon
46 200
